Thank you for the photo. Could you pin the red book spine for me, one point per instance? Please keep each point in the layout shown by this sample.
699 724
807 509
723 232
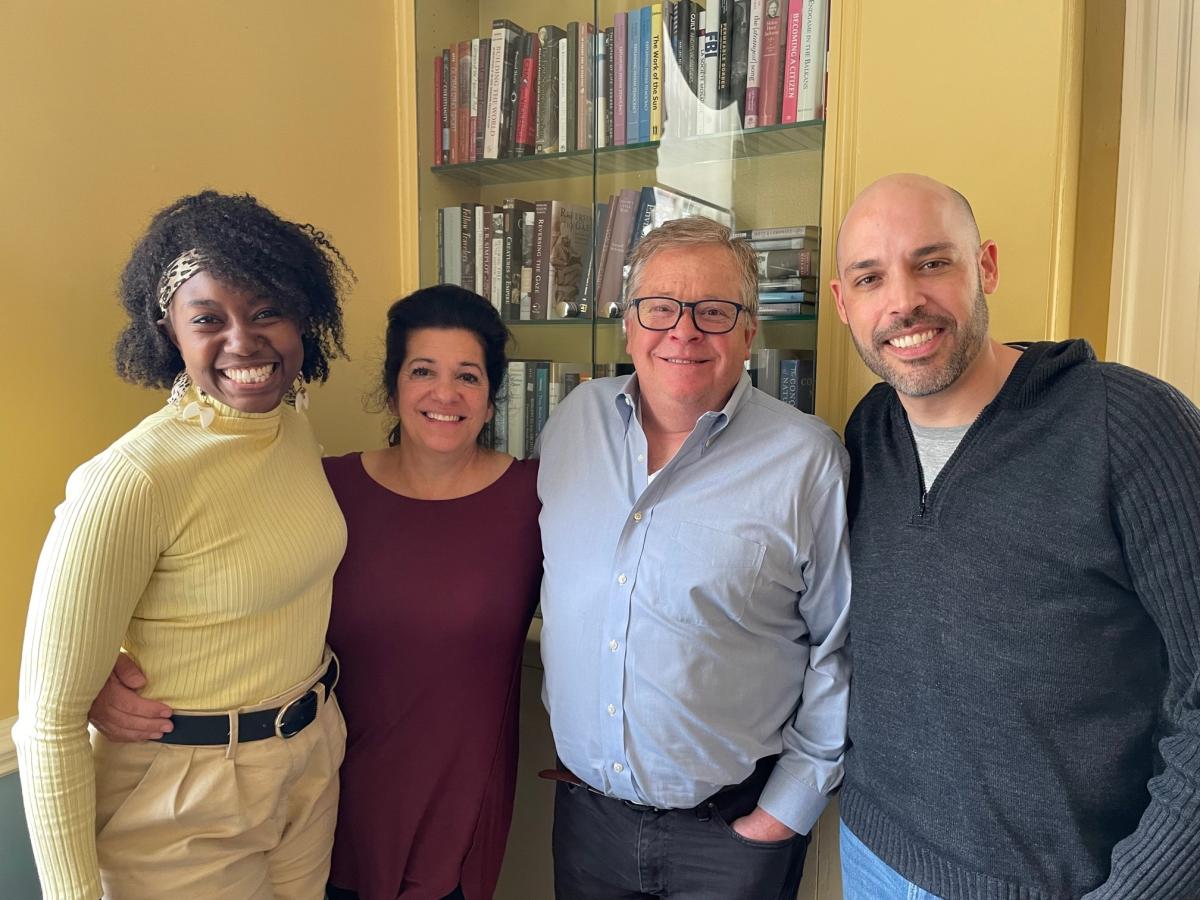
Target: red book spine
791 61
464 101
527 101
454 105
769 72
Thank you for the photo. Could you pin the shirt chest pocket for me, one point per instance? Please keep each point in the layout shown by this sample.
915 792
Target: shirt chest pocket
704 576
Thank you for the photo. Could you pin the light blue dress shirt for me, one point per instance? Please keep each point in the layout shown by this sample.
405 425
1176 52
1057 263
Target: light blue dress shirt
695 622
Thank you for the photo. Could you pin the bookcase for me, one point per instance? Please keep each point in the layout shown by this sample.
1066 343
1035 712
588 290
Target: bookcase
553 134
695 155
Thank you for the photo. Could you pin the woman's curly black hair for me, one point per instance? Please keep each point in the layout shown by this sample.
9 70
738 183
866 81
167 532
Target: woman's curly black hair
248 247
443 306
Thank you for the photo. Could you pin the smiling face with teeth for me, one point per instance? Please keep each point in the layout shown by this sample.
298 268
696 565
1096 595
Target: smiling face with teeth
912 280
240 348
684 373
441 396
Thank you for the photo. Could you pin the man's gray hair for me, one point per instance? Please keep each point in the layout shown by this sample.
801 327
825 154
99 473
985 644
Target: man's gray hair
696 231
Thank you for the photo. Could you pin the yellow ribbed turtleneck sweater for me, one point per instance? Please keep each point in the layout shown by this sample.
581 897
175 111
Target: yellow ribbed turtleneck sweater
208 553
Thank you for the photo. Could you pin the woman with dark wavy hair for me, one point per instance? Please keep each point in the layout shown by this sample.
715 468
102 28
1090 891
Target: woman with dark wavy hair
432 603
204 541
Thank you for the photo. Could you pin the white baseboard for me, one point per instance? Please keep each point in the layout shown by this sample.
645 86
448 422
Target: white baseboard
8 753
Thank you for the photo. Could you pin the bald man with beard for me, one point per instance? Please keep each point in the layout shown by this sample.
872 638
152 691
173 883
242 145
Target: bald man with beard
1025 621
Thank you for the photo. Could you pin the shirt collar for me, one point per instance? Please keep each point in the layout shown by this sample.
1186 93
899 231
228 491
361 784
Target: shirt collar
710 423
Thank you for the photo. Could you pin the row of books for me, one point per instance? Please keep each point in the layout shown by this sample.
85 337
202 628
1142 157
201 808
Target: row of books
537 260
521 92
789 265
787 375
532 391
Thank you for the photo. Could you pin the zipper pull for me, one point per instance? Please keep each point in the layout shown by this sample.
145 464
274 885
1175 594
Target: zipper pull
924 495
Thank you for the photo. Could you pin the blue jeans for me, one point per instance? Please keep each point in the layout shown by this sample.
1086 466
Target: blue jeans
867 877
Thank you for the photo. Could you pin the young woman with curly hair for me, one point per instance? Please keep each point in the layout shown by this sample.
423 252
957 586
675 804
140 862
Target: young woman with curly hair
204 541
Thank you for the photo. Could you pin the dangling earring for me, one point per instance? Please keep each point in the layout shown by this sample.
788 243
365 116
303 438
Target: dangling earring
179 388
297 396
196 409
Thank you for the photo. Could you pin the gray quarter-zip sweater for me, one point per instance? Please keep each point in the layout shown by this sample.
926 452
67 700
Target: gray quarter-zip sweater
1025 637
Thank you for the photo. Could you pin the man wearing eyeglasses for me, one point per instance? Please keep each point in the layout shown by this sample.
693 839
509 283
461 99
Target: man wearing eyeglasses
694 599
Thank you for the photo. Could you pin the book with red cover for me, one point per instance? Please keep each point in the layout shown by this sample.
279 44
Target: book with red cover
527 98
770 72
464 101
791 61
453 111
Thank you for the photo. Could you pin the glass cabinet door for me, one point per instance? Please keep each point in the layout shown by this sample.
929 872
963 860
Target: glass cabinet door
555 134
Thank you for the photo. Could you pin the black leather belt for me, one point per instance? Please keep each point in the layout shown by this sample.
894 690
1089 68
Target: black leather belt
284 721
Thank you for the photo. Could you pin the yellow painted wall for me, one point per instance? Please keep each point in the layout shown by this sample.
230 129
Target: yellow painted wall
984 96
1099 145
111 110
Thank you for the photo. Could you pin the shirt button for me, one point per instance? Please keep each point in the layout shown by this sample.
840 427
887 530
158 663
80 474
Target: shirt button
621 579
637 517
612 710
641 458
613 645
618 768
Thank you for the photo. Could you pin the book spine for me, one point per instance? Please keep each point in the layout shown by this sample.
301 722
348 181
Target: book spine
775 310
584 105
473 106
789 377
656 70
453 113
690 71
633 78
608 87
791 61
739 39
512 84
571 91
724 53
530 408
453 243
525 300
499 264
527 99
541 403
464 101
441 125
802 263
644 120
602 87
516 409
491 136
810 99
548 55
480 109
466 236
563 83
483 251
620 77
754 54
770 74
712 47
622 232
783 231
541 260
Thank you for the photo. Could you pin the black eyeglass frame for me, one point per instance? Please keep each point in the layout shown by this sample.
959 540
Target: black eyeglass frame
685 305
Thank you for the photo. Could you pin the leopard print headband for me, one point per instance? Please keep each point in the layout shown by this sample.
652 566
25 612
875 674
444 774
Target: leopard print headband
183 267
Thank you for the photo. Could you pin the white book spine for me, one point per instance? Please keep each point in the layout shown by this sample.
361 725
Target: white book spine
810 97
491 136
562 94
754 63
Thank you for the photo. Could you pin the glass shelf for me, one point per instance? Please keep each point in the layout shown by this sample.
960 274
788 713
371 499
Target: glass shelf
799 137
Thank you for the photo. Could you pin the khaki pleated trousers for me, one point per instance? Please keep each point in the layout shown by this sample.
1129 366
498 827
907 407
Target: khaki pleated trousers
248 821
